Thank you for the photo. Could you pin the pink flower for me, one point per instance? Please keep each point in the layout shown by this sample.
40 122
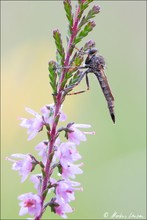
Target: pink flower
24 166
65 190
34 125
30 203
64 194
48 114
37 180
62 209
67 153
71 170
42 147
76 135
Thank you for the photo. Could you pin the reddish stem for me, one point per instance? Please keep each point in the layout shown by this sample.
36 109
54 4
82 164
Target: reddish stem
57 109
69 51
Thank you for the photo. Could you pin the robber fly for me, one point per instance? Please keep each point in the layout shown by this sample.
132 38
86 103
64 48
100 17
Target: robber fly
95 64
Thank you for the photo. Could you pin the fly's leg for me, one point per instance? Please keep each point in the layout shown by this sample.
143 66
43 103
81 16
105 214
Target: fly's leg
87 83
72 67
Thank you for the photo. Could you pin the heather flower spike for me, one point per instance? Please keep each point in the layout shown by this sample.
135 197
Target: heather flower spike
54 154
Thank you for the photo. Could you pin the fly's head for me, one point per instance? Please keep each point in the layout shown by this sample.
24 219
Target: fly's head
91 54
94 61
92 51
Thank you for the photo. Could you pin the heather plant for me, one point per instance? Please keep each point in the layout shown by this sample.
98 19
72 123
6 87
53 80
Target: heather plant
56 155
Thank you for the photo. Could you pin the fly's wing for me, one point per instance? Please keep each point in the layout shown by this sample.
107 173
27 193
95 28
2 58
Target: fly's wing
106 90
104 83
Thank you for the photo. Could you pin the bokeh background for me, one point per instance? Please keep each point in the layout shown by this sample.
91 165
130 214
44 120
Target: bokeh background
114 159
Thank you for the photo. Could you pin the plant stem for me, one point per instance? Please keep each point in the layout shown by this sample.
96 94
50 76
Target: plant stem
70 45
59 99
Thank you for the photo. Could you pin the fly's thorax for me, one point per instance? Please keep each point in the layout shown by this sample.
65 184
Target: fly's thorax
101 60
95 62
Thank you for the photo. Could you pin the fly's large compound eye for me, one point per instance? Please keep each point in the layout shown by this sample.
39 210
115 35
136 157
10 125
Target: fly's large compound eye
92 51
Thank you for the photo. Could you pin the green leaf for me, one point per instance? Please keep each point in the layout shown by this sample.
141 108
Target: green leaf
69 15
74 63
77 61
45 193
43 172
77 58
91 14
83 5
53 75
88 27
60 169
41 164
51 156
83 21
85 2
68 75
74 80
60 63
64 82
57 118
60 49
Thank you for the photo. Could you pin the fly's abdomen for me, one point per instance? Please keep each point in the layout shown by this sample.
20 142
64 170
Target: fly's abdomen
107 92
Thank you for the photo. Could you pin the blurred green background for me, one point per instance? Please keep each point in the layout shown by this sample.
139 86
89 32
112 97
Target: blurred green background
114 159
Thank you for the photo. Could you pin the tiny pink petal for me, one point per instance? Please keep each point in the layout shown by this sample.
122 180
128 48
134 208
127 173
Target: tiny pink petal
62 209
82 126
24 166
76 135
31 204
